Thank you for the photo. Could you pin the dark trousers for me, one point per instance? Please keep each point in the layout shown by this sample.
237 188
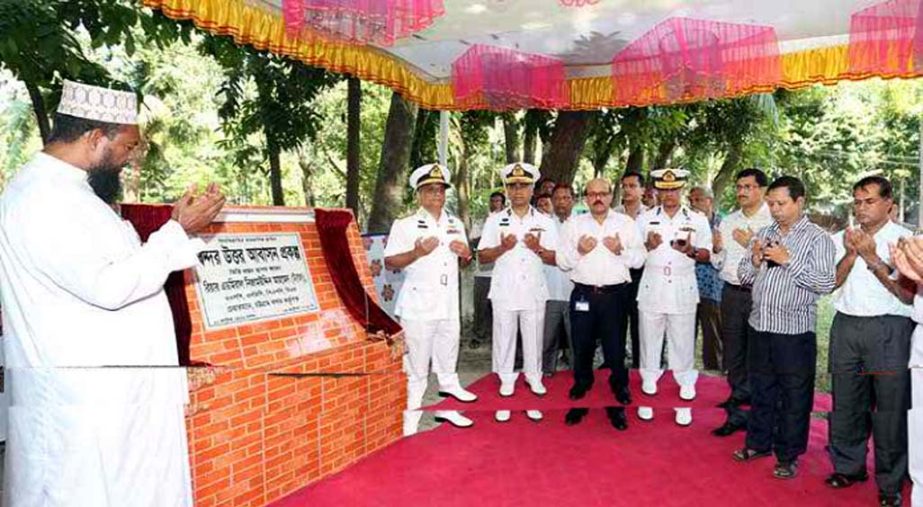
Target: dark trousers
483 313
601 322
782 371
556 336
736 303
629 320
708 318
871 395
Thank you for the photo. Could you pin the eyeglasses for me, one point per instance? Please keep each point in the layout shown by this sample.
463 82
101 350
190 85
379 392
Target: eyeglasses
598 195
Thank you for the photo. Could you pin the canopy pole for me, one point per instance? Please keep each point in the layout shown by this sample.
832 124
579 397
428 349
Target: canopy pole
443 148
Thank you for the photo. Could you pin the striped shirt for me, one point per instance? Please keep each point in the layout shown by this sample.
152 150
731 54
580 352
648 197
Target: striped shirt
785 297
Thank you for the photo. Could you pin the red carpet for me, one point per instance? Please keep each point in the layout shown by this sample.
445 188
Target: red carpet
548 463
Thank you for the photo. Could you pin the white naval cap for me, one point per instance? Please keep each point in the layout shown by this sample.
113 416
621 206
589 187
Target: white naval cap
669 178
429 173
519 172
98 104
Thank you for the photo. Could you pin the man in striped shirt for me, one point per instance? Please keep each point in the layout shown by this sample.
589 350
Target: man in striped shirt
791 265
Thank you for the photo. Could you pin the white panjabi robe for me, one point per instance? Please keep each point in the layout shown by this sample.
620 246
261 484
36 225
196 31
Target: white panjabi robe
96 399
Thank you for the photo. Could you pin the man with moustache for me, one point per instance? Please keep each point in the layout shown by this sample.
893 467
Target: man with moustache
429 245
870 348
676 238
97 397
632 186
519 240
790 266
598 249
731 244
708 314
557 313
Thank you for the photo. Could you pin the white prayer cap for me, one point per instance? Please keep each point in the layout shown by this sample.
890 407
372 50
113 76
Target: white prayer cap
98 104
429 173
519 172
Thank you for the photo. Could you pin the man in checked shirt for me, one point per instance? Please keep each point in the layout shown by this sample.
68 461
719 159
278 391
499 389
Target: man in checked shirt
791 265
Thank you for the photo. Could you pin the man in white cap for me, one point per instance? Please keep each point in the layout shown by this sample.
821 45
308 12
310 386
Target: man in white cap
520 240
428 245
676 237
96 414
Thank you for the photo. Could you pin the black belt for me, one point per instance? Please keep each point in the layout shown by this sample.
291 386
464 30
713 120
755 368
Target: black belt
738 288
599 289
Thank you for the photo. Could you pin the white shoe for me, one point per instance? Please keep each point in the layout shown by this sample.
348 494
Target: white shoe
534 415
502 415
646 413
687 392
459 393
454 418
683 416
649 388
411 422
537 387
506 390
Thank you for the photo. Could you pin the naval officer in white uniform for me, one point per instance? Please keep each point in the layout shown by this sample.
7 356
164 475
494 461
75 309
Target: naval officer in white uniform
428 245
676 237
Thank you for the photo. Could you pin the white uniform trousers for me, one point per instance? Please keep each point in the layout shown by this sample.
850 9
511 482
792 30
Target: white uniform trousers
531 324
915 437
428 340
680 332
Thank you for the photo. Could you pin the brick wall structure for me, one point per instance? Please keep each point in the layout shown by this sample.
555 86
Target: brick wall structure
291 400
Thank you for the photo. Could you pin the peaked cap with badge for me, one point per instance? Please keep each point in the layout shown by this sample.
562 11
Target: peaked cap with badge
98 104
429 173
519 172
669 178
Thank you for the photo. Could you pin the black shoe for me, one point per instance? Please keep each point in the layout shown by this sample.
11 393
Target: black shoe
785 470
617 418
840 481
622 395
729 403
578 391
726 429
474 343
889 499
574 416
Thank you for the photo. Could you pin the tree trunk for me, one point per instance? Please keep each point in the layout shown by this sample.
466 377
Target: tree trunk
567 140
728 169
353 170
664 154
38 107
530 140
275 172
307 179
635 157
461 186
511 138
392 168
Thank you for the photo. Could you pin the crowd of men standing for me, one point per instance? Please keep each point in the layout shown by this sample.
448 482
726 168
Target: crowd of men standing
639 278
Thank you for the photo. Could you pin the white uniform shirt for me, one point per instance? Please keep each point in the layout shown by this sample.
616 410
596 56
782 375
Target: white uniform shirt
862 295
600 266
79 290
728 259
669 284
430 289
484 270
559 284
518 280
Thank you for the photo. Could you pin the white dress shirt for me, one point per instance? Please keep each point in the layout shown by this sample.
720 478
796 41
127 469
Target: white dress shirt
600 266
518 280
559 284
80 292
862 295
728 259
430 289
668 284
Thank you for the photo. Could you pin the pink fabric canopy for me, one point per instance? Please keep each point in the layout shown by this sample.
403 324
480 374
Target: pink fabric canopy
508 79
692 59
379 22
887 38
